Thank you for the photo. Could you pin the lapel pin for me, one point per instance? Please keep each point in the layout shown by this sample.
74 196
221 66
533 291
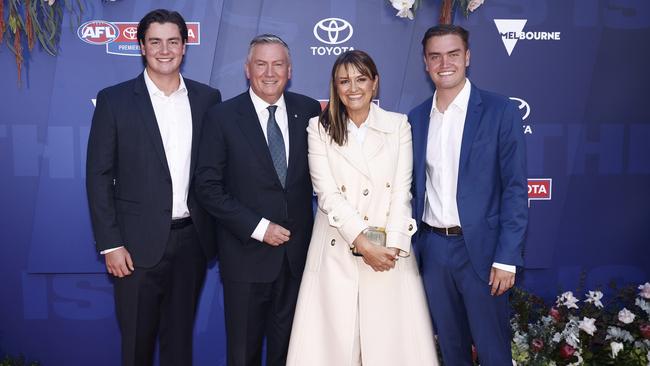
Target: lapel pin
295 116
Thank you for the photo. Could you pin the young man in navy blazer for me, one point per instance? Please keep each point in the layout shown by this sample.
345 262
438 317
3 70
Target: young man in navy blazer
470 201
254 178
154 236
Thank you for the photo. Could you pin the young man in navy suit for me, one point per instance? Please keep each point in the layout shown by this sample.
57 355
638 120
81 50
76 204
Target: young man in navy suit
254 178
470 201
154 236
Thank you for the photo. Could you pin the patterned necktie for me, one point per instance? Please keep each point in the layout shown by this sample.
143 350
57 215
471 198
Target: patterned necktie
276 145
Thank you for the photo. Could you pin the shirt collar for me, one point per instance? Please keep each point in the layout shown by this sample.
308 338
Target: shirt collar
260 104
461 101
153 89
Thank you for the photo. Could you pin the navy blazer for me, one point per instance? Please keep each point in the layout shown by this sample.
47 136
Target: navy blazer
128 182
237 183
492 191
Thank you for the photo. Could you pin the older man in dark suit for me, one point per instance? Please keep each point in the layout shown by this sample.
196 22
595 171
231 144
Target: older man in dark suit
155 238
253 177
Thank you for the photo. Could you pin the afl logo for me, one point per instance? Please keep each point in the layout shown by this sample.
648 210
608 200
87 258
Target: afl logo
98 32
333 30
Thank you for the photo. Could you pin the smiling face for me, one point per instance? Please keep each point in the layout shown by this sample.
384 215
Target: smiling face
445 59
268 69
355 90
163 49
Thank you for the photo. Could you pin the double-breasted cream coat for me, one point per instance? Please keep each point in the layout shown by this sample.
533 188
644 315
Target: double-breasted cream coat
342 300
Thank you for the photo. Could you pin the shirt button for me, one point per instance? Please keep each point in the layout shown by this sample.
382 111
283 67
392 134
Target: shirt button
365 192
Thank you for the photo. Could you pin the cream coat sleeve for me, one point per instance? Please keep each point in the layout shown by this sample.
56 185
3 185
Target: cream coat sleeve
340 213
401 226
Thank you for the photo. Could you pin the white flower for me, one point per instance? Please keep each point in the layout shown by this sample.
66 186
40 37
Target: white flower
588 325
567 299
594 297
625 316
557 337
645 290
616 348
474 4
619 334
50 2
403 8
644 305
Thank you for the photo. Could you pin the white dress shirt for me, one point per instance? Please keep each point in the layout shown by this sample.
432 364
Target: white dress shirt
174 118
283 122
444 141
358 133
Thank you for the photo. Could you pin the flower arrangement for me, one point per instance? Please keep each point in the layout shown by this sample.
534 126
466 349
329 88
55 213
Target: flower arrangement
407 8
590 331
37 20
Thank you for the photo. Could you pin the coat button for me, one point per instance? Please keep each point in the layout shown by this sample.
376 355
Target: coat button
387 185
333 242
365 192
342 188
335 218
410 227
365 218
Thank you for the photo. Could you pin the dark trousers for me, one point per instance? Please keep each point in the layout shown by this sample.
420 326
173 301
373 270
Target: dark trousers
461 306
256 310
160 302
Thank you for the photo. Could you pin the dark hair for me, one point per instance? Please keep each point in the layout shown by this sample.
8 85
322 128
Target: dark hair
267 39
443 30
162 16
335 117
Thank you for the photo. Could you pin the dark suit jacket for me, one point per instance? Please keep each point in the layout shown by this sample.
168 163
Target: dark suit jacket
237 183
492 189
127 177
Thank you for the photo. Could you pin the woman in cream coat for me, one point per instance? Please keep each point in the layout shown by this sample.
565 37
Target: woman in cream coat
360 310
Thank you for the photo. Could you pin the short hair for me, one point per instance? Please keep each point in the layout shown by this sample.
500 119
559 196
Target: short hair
162 16
267 38
334 118
443 30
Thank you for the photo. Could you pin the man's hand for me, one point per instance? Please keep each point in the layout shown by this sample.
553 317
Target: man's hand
276 235
500 281
119 263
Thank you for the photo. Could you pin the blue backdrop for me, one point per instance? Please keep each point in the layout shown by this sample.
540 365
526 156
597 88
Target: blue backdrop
578 69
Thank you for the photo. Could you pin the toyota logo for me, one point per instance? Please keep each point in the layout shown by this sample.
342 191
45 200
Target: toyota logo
333 30
522 105
130 33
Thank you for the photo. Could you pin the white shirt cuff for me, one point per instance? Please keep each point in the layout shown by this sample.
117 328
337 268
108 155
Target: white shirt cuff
106 251
260 230
505 267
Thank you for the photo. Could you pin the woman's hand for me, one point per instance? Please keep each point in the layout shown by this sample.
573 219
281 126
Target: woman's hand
379 258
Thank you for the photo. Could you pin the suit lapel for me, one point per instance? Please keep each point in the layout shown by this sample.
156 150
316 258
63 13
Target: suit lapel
420 137
295 143
472 120
196 123
249 124
148 117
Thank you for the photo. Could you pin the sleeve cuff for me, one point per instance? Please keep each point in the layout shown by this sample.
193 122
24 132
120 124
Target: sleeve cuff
505 267
106 251
260 230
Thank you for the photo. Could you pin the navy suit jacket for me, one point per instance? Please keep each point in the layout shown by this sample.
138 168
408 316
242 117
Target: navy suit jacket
237 183
128 182
492 190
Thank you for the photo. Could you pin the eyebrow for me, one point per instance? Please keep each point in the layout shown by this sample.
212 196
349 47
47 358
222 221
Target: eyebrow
439 53
160 39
